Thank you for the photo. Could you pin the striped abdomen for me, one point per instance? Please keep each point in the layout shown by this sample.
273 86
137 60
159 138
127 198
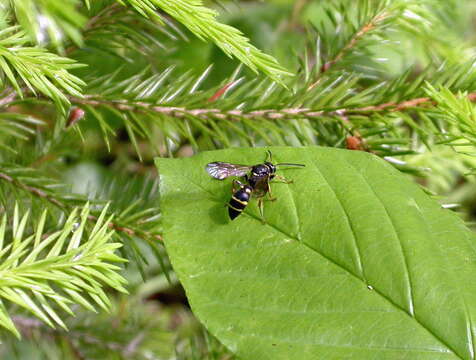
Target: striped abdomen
238 201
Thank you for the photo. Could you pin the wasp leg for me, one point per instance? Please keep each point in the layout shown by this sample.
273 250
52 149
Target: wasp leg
282 179
271 198
261 210
236 185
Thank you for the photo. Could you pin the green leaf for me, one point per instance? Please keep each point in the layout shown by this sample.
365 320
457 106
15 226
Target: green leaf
354 262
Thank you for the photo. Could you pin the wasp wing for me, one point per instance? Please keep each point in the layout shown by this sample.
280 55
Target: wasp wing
221 170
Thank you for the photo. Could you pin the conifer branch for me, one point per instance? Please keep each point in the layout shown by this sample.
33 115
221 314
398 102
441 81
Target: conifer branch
38 69
286 113
41 193
354 39
202 22
62 268
65 202
370 25
349 30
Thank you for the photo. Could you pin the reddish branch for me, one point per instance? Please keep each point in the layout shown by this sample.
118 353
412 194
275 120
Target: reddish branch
365 29
9 97
181 112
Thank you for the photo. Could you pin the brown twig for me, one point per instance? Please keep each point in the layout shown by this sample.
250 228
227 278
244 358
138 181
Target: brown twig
33 190
351 44
287 113
7 96
182 112
95 21
112 225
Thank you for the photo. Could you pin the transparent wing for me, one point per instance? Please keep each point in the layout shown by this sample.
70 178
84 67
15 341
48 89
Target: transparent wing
221 170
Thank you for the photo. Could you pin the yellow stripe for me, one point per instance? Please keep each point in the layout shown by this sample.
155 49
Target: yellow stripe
240 210
240 201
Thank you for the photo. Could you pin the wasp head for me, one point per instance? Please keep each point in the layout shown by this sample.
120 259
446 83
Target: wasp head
272 167
261 170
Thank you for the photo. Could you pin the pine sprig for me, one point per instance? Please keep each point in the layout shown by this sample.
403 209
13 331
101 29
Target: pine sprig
372 18
458 112
350 33
32 182
231 112
39 70
116 28
136 218
202 22
41 272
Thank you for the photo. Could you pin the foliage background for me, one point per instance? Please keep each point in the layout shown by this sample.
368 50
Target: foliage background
392 77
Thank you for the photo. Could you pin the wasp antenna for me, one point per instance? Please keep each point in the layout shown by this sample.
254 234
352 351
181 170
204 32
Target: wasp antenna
270 156
290 164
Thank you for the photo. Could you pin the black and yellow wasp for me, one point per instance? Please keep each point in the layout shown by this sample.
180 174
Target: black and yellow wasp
257 178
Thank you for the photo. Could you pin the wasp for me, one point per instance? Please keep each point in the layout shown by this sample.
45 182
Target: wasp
257 178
